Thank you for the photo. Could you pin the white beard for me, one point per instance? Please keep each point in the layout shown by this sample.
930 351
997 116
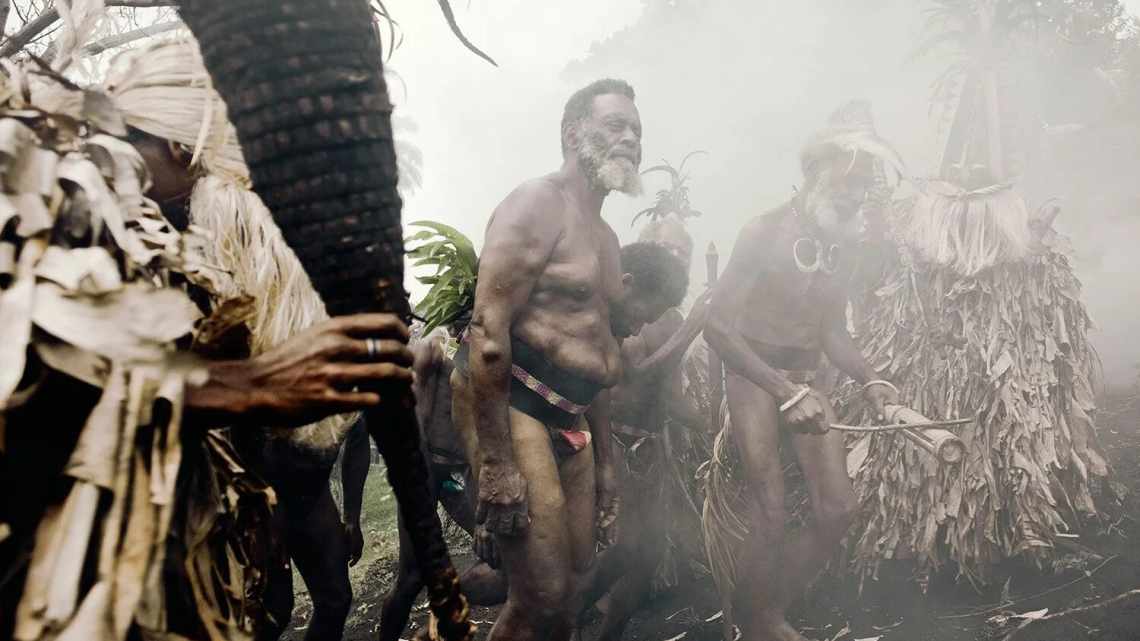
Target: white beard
820 205
619 174
610 174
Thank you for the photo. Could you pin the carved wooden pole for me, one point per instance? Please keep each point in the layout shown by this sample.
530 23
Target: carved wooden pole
716 368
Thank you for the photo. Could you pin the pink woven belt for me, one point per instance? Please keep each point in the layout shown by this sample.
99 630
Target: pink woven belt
543 390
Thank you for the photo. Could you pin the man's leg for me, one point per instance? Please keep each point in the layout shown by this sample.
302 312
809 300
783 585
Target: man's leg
481 584
578 485
400 599
626 570
635 586
823 460
538 563
278 596
758 603
319 548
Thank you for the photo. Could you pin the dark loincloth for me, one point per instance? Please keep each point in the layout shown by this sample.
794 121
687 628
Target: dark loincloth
548 394
799 365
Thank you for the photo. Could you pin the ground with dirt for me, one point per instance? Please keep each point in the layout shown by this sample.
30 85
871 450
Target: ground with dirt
1103 563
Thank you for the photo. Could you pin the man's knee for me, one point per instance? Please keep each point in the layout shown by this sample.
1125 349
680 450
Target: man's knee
550 600
835 515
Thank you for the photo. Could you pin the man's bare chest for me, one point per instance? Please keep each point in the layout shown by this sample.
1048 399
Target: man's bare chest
582 269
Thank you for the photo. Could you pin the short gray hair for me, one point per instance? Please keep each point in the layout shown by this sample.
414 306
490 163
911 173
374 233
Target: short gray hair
581 104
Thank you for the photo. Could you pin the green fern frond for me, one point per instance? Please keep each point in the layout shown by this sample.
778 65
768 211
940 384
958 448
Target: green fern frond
452 281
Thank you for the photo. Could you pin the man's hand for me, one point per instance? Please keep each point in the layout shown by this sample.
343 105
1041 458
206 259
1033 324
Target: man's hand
879 394
484 544
502 505
334 367
609 505
355 541
809 414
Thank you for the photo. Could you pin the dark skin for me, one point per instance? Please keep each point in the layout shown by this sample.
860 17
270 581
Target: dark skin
481 584
650 389
322 371
762 296
307 518
548 275
308 377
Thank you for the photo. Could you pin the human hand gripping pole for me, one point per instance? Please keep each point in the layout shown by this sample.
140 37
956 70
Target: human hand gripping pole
317 136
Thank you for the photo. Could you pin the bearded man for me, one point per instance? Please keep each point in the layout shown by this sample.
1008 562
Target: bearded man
780 303
550 306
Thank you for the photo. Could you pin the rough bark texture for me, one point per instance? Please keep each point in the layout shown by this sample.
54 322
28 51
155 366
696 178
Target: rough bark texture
303 84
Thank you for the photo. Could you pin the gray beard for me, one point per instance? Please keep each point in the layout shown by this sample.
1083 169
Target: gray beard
819 204
607 174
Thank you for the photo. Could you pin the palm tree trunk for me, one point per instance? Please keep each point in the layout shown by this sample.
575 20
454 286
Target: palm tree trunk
303 84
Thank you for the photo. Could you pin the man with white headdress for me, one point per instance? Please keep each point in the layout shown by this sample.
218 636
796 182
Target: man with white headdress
178 123
778 307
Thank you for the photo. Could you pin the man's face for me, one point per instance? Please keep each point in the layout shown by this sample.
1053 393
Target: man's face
635 310
839 192
609 144
171 179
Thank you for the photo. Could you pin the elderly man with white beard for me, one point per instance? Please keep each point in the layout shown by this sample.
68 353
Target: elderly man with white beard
551 305
781 304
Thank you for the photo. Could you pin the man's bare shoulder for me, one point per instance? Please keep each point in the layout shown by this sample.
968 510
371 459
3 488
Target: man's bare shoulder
540 196
765 223
660 331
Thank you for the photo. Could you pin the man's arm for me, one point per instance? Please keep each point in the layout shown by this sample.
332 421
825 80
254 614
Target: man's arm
840 348
520 239
353 472
306 378
842 351
598 418
680 406
727 306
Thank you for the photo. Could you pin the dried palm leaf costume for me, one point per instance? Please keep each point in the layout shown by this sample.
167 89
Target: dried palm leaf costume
164 90
977 309
850 130
95 323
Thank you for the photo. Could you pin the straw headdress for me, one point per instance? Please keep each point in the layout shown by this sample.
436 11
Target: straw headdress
164 90
850 129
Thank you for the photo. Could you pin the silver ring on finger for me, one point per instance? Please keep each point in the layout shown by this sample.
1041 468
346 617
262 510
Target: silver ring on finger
373 348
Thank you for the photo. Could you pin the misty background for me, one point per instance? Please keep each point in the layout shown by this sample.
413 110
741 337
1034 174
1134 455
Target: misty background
748 83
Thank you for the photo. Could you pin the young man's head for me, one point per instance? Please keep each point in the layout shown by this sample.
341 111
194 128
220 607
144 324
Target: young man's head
601 128
669 233
653 281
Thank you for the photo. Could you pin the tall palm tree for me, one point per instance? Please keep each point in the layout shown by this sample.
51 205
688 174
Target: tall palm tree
304 86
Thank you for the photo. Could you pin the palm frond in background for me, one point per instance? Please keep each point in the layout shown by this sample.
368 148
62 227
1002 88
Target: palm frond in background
452 280
675 199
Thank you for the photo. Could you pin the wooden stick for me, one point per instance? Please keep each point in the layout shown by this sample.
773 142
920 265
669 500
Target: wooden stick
1100 605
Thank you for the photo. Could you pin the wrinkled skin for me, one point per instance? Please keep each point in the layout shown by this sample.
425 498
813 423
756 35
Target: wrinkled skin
549 276
301 379
763 300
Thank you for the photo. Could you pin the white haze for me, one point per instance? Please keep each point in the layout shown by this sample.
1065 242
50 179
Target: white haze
746 82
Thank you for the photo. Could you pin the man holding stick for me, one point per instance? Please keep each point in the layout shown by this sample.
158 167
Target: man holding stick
780 304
